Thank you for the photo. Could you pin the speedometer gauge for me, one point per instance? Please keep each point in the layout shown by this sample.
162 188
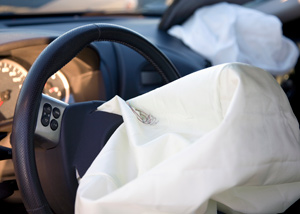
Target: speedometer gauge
12 76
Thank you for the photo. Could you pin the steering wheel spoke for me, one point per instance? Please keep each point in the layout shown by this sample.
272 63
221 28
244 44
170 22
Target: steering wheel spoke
49 121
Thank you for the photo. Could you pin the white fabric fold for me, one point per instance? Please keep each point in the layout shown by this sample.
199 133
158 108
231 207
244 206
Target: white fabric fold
226 33
224 135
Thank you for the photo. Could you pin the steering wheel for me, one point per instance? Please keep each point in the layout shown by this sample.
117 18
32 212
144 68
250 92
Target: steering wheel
52 140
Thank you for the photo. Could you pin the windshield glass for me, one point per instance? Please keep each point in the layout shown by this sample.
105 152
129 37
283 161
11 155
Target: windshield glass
31 7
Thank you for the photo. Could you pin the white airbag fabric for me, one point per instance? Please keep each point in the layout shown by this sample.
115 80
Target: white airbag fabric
224 134
231 33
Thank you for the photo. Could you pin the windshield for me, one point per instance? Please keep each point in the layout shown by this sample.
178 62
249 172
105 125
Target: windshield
32 7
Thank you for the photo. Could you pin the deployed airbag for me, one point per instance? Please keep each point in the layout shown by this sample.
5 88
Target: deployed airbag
232 33
221 137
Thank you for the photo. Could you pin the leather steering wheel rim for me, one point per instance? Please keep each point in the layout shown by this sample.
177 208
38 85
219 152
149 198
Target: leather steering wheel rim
54 57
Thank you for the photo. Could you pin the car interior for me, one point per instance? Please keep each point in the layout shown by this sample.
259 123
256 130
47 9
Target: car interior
73 63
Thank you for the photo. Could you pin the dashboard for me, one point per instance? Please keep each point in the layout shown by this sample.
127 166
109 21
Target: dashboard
99 72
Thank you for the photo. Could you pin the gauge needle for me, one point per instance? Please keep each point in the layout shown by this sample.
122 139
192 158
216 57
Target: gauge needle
53 89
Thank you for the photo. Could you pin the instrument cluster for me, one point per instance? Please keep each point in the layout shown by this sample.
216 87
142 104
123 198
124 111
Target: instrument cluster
12 76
